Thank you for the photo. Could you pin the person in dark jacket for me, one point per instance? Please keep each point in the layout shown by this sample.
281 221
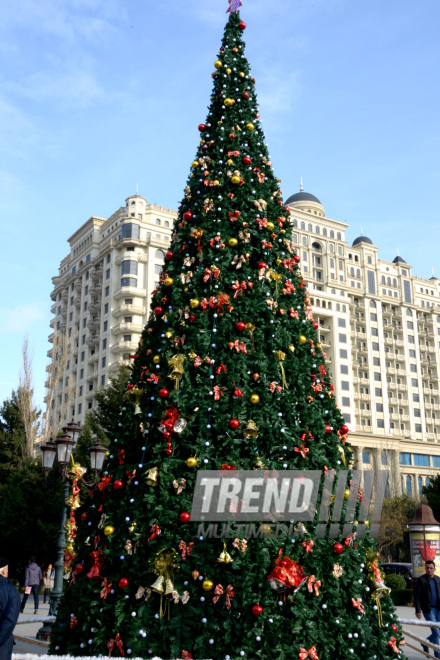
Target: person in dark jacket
32 579
9 611
427 600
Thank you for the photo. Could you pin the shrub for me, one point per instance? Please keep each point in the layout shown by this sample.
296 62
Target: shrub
402 596
395 581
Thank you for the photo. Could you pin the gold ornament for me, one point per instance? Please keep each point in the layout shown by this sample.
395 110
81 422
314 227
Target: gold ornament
165 566
156 359
280 356
157 585
137 392
254 399
194 303
366 523
195 164
346 494
169 587
319 346
241 74
235 179
302 339
278 261
132 527
176 368
251 430
191 462
128 547
228 102
342 452
207 585
216 182
109 530
270 226
260 465
265 530
107 454
195 574
228 71
232 242
224 557
152 477
168 335
168 281
337 571
291 348
218 64
250 126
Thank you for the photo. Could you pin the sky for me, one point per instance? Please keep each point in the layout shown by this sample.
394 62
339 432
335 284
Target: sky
97 96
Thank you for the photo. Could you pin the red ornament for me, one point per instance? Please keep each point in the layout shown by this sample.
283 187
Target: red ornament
240 326
242 26
246 95
201 127
262 265
315 325
79 569
168 451
192 318
123 582
169 444
328 428
338 548
234 424
256 610
247 160
184 517
158 311
296 258
344 429
167 435
164 393
169 255
187 215
117 484
84 516
130 386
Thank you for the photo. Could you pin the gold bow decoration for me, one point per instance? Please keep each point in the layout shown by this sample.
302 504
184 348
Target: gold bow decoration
176 368
165 565
280 356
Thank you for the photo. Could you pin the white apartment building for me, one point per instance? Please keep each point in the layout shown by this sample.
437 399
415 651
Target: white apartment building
378 323
101 300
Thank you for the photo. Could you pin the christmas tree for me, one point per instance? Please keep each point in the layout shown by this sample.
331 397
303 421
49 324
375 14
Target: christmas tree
229 374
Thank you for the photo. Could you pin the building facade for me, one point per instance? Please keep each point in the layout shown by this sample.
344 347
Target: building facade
378 323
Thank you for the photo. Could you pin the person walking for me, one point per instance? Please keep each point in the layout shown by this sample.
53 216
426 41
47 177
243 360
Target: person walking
32 581
427 600
9 611
48 578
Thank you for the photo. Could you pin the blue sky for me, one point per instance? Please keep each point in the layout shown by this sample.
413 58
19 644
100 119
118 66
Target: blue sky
98 95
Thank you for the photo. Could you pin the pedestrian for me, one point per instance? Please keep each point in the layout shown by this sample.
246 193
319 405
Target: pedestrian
427 600
48 578
9 611
32 581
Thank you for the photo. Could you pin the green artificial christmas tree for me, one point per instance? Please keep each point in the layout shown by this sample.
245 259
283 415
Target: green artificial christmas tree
229 374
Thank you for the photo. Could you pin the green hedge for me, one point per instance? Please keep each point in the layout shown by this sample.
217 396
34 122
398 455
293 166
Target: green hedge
402 596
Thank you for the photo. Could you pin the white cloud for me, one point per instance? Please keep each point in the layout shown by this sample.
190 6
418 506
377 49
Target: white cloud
19 319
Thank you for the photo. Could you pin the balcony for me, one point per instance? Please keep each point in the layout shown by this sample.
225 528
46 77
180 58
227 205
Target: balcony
364 413
91 376
95 290
64 295
401 372
386 312
394 417
90 359
130 292
90 395
93 339
96 273
401 388
78 285
399 342
124 346
51 337
391 370
129 309
94 323
117 364
388 341
77 301
95 308
430 436
404 418
53 309
123 327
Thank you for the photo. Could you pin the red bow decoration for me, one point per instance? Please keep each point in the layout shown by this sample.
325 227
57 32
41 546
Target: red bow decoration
233 6
273 387
105 481
288 288
211 272
68 559
293 313
225 466
198 233
287 572
308 545
357 604
98 562
131 475
218 392
238 345
180 340
220 369
73 622
266 244
197 361
234 215
313 584
237 392
119 644
155 531
219 591
311 653
153 378
121 454
393 644
186 549
394 627
144 370
186 656
110 646
302 450
239 288
107 586
262 222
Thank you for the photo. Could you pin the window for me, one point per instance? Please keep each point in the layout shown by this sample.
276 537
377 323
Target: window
128 301
413 368
369 260
127 337
104 362
79 408
343 353
375 346
85 306
418 428
416 412
412 353
405 458
129 267
376 362
344 369
102 381
128 319
81 390
129 281
378 392
105 325
83 339
81 373
421 460
345 385
410 325
83 356
436 461
159 255
371 282
411 339
107 290
345 401
158 269
129 230
380 424
341 323
374 332
342 338
104 344
106 308
416 398
408 486
70 332
414 382
379 407
346 417
304 255
377 376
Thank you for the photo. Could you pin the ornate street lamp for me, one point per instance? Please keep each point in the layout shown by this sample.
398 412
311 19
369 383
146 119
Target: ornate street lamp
62 448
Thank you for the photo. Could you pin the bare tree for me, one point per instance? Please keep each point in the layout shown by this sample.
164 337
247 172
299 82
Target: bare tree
25 400
62 352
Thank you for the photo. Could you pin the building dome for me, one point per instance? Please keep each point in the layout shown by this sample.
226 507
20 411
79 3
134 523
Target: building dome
399 260
302 197
362 239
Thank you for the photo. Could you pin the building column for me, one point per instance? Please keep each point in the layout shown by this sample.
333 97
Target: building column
395 475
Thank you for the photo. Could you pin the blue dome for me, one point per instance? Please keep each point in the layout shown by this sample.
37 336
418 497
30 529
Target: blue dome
302 197
399 260
362 239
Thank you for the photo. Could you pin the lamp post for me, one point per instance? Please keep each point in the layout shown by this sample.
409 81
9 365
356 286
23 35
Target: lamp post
62 448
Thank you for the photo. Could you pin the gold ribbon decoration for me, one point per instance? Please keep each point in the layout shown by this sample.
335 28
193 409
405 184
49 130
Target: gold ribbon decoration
280 356
251 329
342 452
276 277
176 368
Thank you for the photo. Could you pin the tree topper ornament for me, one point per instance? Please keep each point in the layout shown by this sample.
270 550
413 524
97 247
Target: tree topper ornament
234 5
